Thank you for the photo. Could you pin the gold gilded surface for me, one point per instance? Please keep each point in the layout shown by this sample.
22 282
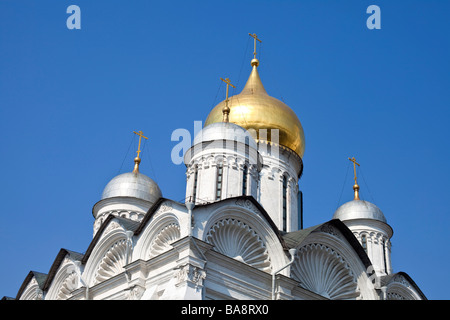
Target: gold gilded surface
355 186
254 109
137 160
226 109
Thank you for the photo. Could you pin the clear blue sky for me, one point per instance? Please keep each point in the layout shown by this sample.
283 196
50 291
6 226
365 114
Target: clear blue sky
70 100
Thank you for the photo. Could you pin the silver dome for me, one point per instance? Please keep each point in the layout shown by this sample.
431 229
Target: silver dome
130 184
225 131
359 209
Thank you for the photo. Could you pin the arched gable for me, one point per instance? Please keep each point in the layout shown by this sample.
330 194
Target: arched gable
400 286
240 228
163 226
109 251
331 262
64 275
32 286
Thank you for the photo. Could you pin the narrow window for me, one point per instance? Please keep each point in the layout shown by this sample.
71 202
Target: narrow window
247 143
244 181
300 209
219 181
194 195
284 203
364 242
384 256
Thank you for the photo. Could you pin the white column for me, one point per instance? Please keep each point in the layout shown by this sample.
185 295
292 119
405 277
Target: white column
227 173
270 193
207 183
280 202
369 240
293 205
387 249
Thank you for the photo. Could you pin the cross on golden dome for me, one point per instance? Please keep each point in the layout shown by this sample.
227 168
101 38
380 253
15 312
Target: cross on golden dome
254 109
255 37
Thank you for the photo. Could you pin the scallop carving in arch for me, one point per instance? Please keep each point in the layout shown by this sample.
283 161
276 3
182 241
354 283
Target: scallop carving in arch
236 239
323 271
162 241
68 286
394 296
112 262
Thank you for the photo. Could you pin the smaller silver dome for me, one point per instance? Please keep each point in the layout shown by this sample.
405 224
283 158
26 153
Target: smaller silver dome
359 209
131 184
225 131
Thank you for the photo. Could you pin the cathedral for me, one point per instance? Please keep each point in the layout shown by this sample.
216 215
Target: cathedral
239 233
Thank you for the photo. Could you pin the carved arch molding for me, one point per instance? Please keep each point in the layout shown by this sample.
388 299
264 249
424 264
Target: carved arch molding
162 241
322 270
69 284
112 262
114 259
239 241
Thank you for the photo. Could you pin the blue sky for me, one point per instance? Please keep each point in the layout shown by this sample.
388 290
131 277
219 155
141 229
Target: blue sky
70 100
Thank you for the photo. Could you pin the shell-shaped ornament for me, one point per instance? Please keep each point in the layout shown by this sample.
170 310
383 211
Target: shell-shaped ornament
236 239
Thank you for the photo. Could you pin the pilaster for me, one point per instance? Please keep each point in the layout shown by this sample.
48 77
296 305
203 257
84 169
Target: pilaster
189 271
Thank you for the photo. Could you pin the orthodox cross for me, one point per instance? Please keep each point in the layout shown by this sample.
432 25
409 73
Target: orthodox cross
141 135
137 160
255 37
354 166
226 109
355 187
227 81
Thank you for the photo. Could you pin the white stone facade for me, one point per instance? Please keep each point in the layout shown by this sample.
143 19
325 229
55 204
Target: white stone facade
230 253
241 243
278 182
376 241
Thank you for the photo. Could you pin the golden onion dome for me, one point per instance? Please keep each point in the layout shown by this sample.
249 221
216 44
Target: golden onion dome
254 109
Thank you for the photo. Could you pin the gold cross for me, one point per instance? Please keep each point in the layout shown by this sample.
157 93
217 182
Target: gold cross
227 81
254 36
355 187
226 109
354 165
141 135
